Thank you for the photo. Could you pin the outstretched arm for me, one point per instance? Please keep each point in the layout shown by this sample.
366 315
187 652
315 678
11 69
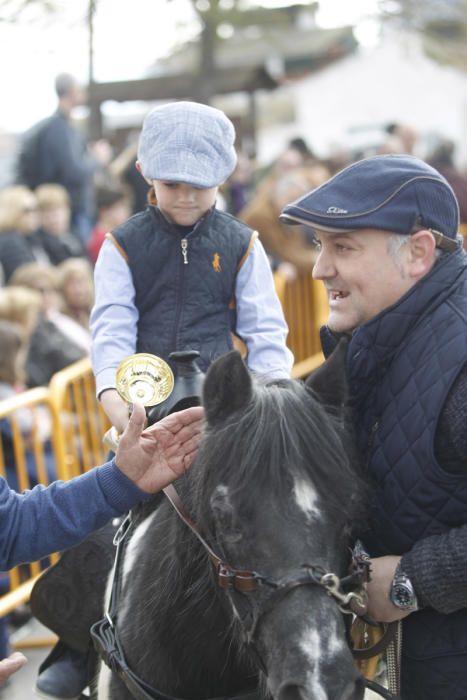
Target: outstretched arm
35 523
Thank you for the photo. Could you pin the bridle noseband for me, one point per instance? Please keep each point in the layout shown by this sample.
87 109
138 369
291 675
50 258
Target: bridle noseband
348 592
249 581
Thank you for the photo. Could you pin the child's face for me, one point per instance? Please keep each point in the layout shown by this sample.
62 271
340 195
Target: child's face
183 204
56 220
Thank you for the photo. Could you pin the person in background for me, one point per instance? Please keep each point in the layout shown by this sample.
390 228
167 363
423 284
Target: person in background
113 209
36 523
58 340
76 287
389 255
14 348
127 176
54 233
289 250
237 189
18 225
405 134
49 350
54 151
442 158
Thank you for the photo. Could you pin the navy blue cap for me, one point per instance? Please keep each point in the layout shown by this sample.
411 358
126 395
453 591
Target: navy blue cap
397 193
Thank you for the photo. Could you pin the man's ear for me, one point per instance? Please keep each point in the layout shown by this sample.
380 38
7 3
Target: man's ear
421 253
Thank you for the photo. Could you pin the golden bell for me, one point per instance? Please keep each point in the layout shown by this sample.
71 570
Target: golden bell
145 379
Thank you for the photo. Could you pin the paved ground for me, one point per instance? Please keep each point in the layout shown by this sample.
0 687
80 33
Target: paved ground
21 684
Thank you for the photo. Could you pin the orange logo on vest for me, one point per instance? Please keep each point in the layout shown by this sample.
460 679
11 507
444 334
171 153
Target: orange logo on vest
216 262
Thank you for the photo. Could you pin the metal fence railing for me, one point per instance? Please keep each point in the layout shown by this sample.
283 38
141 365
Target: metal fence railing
48 433
305 305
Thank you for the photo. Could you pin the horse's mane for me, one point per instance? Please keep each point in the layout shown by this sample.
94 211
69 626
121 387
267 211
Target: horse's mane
283 432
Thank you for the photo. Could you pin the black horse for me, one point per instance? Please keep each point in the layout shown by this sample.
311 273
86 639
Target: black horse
272 494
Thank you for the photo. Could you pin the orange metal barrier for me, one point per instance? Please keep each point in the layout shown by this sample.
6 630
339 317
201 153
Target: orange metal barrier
47 433
78 441
305 306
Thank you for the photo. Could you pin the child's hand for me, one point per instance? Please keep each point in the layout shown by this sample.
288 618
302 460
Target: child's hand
115 408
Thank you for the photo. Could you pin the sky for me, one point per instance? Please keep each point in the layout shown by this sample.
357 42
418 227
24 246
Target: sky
34 51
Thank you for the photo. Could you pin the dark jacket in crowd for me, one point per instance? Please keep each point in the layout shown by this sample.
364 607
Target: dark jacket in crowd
49 352
60 248
15 249
64 160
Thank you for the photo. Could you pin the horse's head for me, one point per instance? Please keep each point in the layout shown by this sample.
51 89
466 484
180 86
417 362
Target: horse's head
276 496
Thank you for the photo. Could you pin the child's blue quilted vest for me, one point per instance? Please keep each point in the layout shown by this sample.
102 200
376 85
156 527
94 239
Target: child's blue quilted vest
184 283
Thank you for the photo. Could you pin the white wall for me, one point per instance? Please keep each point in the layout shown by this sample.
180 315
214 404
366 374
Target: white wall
392 82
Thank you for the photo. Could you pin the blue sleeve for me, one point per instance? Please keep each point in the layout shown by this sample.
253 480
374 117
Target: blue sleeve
53 518
260 319
114 317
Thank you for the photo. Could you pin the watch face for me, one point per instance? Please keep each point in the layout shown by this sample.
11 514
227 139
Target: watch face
403 596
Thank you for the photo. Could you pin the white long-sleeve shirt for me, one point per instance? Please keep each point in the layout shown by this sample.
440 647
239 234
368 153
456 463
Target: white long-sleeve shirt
114 318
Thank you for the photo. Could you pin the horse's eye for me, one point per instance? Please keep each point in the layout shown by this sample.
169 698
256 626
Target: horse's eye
225 517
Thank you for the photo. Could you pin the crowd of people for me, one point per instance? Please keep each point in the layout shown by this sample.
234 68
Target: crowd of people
82 278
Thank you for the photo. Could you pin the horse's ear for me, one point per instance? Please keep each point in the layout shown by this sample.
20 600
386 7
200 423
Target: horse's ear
329 381
227 387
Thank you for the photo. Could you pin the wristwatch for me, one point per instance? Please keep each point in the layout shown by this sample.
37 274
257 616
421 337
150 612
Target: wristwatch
402 593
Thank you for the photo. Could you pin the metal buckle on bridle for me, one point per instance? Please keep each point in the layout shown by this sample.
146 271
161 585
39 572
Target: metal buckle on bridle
351 603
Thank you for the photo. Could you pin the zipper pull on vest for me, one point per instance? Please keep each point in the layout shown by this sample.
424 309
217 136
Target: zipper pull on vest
184 244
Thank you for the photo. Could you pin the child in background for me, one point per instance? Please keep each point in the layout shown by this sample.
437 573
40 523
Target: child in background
55 234
183 275
113 209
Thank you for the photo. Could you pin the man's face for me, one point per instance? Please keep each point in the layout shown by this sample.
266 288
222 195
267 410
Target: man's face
361 276
183 204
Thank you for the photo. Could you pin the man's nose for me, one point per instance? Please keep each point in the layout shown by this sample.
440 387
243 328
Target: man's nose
324 266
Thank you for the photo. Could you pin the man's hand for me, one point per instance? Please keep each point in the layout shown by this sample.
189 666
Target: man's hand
11 664
380 607
159 455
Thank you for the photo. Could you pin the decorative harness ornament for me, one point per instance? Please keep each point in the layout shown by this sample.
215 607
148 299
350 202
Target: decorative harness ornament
351 602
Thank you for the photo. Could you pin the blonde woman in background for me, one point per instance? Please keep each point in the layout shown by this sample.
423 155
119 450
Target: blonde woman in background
76 285
18 226
49 349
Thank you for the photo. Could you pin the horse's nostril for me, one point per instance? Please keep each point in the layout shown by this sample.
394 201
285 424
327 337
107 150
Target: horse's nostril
353 691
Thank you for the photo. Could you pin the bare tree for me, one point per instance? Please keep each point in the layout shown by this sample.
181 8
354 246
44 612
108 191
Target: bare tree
442 26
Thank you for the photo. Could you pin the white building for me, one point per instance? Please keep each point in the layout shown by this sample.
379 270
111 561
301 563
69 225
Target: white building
346 102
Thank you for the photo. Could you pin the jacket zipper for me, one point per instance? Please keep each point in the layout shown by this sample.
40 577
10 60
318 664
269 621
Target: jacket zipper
180 293
184 245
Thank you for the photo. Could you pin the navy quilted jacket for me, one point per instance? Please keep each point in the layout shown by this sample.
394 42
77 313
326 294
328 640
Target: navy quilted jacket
400 367
184 306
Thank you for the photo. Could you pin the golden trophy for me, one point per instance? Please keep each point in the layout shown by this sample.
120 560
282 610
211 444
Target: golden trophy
141 378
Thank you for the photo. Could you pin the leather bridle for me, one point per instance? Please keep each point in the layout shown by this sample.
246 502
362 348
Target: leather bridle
248 581
348 592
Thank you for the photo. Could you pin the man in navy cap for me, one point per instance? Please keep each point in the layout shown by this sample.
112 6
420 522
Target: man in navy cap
396 275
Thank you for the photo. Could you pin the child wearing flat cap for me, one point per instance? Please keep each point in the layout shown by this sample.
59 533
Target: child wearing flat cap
181 274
